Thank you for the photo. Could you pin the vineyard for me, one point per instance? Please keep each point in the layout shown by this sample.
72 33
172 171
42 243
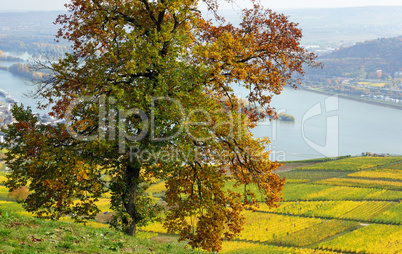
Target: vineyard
2 177
370 239
392 174
237 247
393 214
381 184
311 175
353 164
397 166
307 192
263 227
348 205
364 211
326 208
315 233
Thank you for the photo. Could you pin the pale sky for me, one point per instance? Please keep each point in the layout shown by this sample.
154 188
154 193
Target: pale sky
47 5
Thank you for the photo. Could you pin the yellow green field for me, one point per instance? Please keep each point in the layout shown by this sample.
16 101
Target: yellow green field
363 211
342 206
382 184
373 84
369 239
353 164
393 174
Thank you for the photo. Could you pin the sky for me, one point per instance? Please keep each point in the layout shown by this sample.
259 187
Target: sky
47 5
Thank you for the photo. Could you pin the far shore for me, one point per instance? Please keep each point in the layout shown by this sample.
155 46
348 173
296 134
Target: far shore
376 103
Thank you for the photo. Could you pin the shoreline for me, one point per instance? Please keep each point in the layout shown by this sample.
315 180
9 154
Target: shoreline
375 103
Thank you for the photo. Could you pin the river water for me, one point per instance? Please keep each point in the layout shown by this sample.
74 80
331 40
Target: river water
324 126
330 126
17 88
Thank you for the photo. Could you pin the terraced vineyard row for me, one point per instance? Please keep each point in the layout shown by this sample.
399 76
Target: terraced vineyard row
368 210
239 247
312 175
331 209
393 214
298 192
397 165
393 174
262 227
279 230
317 192
351 210
365 183
315 233
353 164
371 239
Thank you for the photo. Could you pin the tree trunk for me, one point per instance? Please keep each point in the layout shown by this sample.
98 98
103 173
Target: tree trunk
133 174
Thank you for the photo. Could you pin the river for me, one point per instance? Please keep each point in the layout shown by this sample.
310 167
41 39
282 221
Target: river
330 126
324 126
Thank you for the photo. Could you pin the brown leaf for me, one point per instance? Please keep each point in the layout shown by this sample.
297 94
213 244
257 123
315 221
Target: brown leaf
34 239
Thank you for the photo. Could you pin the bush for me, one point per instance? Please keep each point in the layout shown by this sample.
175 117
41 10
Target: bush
19 194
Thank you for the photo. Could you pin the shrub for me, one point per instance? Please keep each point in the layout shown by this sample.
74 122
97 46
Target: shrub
19 194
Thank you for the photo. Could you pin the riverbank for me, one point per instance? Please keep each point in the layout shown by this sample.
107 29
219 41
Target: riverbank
343 96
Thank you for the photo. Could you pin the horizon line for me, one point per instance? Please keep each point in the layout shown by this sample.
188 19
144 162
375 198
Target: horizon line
235 9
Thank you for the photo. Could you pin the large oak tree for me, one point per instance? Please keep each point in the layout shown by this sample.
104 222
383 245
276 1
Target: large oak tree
147 94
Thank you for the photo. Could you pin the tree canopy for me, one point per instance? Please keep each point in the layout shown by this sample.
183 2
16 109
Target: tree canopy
147 93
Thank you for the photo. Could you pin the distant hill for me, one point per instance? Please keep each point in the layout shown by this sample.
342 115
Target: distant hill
346 26
380 58
32 32
387 48
340 26
332 27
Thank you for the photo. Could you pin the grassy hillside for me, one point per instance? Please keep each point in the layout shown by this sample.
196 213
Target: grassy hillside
24 234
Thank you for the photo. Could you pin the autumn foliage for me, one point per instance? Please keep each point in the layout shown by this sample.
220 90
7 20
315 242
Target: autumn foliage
19 194
147 93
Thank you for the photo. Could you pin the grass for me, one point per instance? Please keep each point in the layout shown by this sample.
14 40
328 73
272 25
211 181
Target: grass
21 234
